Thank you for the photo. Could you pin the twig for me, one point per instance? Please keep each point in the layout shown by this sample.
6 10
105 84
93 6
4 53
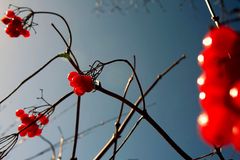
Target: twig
31 76
76 128
132 111
127 137
206 155
213 16
135 74
51 146
117 123
219 153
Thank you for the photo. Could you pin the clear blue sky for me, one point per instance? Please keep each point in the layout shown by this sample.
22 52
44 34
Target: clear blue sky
157 39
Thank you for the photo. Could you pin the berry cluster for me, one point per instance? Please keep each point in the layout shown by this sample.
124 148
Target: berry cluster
80 83
219 88
15 25
30 125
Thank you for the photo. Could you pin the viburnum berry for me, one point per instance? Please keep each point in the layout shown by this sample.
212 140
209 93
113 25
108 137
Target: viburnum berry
222 38
19 112
6 20
71 75
43 119
236 136
22 130
234 93
215 127
10 13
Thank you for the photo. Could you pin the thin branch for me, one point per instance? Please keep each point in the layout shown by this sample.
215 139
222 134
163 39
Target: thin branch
135 74
51 146
219 153
127 137
132 111
60 16
206 155
117 123
148 119
76 128
213 16
31 76
74 62
60 148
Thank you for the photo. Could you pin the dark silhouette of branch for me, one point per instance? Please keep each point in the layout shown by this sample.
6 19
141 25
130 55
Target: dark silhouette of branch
144 114
31 76
76 128
126 138
117 123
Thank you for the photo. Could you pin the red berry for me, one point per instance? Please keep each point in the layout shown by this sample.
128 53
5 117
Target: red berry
25 33
236 136
32 117
71 75
78 91
38 132
222 38
31 134
22 132
88 83
19 112
25 119
44 119
5 20
216 126
10 13
234 94
76 81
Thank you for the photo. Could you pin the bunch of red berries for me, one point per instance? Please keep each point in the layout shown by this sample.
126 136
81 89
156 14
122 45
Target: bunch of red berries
219 87
80 83
32 124
15 25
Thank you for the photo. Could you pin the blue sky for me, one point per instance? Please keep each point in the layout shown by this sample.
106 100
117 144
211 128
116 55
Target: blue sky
157 39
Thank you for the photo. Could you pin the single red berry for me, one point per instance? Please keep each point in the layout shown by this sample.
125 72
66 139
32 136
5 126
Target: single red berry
25 119
19 112
215 127
71 75
38 132
222 38
32 117
10 13
234 94
88 83
31 134
22 131
25 33
6 20
44 120
236 136
78 91
76 81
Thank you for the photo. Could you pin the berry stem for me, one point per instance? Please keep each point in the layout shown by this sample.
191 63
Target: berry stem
213 16
76 128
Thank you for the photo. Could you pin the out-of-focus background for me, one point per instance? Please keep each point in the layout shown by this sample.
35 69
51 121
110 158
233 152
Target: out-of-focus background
157 35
